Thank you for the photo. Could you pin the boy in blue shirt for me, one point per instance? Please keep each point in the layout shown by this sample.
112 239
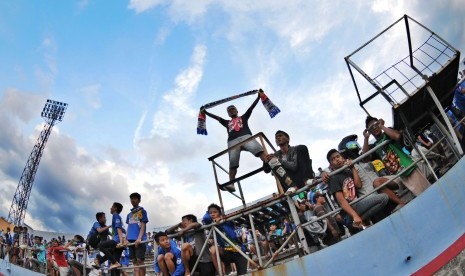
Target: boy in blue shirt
228 253
113 248
169 260
99 230
136 221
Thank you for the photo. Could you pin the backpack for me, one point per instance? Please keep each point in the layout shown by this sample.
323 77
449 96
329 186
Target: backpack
317 229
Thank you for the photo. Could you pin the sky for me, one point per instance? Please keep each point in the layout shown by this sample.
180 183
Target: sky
135 73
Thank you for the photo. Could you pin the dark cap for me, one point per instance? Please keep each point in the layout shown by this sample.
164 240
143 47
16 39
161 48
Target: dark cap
330 152
229 107
369 119
282 132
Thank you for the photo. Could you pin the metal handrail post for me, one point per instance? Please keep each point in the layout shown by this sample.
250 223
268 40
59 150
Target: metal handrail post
257 248
84 270
446 119
414 144
235 247
276 253
217 252
204 246
218 188
446 134
296 219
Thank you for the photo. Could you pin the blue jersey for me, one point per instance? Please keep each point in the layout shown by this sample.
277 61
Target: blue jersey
177 260
124 261
116 222
94 228
134 219
228 229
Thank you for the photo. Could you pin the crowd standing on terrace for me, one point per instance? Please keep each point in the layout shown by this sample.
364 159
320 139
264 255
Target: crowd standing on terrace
366 189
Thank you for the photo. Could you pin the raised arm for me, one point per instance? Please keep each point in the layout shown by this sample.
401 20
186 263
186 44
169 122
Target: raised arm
390 132
252 106
103 229
211 115
366 136
173 228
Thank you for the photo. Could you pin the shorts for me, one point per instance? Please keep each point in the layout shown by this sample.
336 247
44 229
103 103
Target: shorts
62 269
234 155
204 269
236 258
137 252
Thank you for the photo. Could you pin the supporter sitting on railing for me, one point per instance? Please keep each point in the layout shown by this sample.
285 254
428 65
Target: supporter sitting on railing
295 160
38 260
113 248
344 185
99 231
192 245
169 260
393 156
227 252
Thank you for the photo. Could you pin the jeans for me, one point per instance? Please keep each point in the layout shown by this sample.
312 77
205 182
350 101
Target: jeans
370 205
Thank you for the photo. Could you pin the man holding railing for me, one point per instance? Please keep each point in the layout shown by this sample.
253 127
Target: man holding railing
344 184
192 246
38 263
394 158
295 160
136 233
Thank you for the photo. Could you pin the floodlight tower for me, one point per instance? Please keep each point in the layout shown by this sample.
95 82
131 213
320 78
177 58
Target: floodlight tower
52 113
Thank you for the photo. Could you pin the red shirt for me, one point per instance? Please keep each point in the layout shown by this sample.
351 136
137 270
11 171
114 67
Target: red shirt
58 256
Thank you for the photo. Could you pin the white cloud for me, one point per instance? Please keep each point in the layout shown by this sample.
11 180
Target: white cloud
177 103
143 5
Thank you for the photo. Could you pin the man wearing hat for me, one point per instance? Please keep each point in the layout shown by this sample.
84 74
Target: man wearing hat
238 131
295 160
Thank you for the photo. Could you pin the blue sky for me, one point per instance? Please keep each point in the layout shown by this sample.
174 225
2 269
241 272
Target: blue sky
134 74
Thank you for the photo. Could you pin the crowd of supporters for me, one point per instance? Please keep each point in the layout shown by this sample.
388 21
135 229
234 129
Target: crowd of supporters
366 191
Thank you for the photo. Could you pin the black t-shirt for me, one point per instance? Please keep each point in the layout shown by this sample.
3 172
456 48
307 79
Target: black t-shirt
238 126
343 182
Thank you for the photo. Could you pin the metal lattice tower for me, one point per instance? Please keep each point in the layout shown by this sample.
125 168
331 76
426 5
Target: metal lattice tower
52 113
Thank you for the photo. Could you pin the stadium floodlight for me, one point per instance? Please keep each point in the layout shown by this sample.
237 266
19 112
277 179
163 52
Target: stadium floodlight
54 110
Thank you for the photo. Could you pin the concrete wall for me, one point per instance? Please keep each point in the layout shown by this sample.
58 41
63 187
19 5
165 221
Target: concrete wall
6 269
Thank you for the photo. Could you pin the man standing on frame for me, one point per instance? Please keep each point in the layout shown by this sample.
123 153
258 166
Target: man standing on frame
238 131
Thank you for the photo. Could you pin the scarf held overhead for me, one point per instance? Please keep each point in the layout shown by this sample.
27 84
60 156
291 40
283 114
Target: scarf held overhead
272 109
